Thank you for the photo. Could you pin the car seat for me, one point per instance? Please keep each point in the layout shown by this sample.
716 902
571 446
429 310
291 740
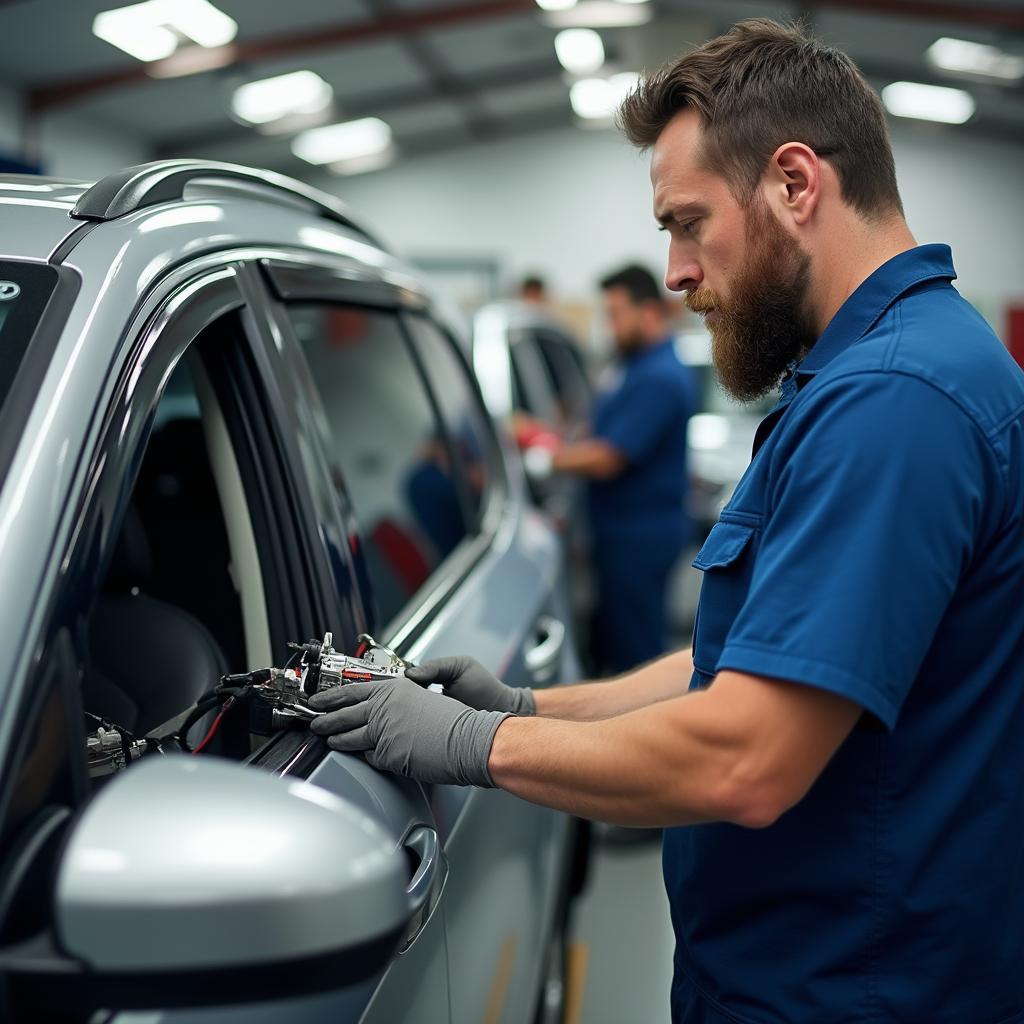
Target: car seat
149 660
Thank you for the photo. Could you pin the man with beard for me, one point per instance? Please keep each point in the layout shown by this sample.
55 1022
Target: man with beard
842 784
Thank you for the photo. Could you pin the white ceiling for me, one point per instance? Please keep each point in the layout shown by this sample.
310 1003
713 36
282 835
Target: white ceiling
486 68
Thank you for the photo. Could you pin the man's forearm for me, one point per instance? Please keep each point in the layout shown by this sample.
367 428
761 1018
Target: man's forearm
743 750
593 458
588 702
616 770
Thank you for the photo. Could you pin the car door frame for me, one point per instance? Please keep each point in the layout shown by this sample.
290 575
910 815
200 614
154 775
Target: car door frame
294 279
289 277
172 318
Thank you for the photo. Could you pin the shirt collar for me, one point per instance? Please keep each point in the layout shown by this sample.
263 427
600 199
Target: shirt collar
858 314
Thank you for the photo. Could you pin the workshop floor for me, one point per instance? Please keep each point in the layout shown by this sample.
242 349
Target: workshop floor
621 955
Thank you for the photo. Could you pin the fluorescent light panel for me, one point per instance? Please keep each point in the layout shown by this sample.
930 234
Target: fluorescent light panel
270 99
152 30
346 142
969 58
928 102
579 50
599 14
555 5
597 99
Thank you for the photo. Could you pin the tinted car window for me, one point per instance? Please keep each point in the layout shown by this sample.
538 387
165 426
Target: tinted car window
460 406
533 391
388 443
25 289
565 372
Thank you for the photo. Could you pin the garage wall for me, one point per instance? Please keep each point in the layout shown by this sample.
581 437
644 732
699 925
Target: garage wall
10 106
573 204
70 146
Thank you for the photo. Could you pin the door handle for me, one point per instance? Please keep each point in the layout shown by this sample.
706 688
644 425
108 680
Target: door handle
422 844
543 659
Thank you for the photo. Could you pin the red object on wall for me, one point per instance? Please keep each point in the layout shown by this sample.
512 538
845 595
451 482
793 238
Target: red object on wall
1015 332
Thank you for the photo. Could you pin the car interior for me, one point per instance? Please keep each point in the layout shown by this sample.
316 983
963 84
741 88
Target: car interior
180 603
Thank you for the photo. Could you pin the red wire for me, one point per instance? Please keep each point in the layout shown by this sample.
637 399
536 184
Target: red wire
216 724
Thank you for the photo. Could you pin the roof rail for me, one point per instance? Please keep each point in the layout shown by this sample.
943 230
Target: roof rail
135 188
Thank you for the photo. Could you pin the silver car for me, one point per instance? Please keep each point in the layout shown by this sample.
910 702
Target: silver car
230 421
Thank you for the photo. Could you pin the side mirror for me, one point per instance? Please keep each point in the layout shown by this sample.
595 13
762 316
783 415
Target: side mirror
195 882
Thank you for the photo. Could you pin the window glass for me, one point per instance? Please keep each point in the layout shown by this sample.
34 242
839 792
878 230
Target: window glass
565 374
25 289
464 418
387 442
532 384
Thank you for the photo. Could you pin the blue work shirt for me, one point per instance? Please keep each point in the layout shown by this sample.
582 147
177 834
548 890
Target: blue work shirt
643 412
875 549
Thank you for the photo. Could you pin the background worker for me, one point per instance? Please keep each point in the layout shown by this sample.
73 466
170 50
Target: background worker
843 783
533 290
635 462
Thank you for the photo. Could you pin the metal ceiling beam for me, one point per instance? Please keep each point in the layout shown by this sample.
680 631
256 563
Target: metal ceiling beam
374 104
977 14
445 83
398 23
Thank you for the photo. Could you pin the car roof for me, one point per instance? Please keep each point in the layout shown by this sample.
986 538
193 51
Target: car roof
36 214
39 213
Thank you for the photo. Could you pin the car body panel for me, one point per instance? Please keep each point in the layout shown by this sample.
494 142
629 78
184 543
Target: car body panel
138 269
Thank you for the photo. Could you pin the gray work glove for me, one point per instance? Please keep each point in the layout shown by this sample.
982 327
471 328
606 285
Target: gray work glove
466 680
408 730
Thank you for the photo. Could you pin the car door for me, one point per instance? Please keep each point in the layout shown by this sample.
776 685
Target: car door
454 562
194 523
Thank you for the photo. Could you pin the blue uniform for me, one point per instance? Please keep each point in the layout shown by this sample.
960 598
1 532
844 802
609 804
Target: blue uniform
638 520
875 549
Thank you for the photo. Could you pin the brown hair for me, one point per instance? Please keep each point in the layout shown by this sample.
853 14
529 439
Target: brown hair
763 84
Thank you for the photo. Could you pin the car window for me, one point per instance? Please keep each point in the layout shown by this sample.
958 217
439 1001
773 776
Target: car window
532 385
25 289
461 407
564 369
388 442
182 599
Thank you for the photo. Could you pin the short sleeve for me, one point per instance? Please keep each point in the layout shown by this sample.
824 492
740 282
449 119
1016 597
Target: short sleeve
645 408
880 486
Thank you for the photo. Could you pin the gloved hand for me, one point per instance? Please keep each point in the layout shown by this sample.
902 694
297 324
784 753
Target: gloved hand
408 730
466 680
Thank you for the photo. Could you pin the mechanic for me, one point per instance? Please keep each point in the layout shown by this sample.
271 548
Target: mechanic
843 785
635 462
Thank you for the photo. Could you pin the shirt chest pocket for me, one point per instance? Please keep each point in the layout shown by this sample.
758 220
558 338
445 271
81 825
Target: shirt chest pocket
727 561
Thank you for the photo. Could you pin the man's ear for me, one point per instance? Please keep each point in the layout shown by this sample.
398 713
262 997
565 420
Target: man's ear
795 181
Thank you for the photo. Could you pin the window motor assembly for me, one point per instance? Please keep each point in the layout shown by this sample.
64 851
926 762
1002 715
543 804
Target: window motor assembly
276 698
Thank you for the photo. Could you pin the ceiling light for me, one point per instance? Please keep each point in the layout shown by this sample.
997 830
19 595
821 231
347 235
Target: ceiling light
597 99
349 141
928 102
153 30
190 60
599 14
579 50
965 57
270 99
555 5
364 164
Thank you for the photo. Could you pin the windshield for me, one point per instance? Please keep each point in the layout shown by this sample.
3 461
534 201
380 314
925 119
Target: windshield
25 289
